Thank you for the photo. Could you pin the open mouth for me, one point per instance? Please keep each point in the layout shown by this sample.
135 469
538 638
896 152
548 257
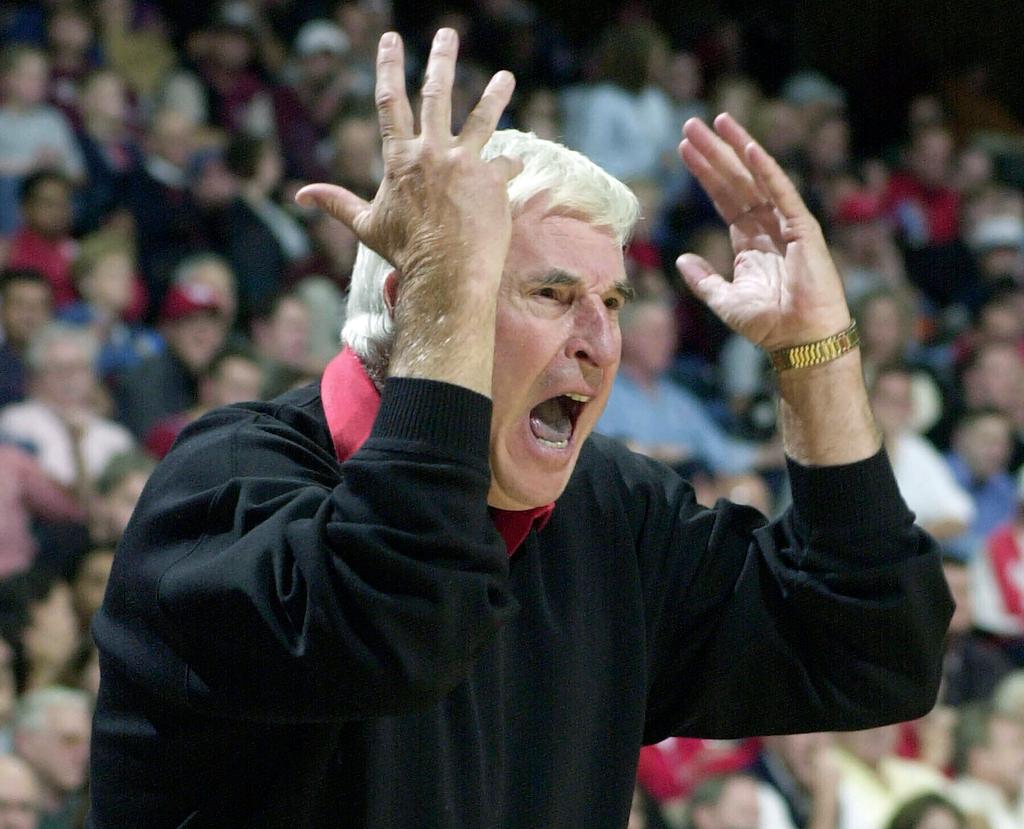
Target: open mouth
554 420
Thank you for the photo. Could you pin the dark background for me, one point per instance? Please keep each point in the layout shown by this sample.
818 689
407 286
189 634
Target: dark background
882 52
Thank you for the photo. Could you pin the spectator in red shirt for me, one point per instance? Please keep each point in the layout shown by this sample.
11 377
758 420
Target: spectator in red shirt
921 197
44 242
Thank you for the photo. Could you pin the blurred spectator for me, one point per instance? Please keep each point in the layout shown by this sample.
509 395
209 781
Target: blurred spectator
1008 697
194 326
90 583
816 97
280 332
8 695
928 811
702 334
802 776
661 419
782 131
44 242
104 274
998 587
110 150
725 802
26 305
117 492
540 114
20 795
334 253
60 418
51 733
357 162
886 320
33 135
940 504
262 238
989 762
70 35
305 110
234 376
623 122
873 781
867 257
134 45
921 197
993 378
226 59
671 770
982 442
212 273
27 494
326 304
684 82
926 208
973 666
38 621
167 221
998 244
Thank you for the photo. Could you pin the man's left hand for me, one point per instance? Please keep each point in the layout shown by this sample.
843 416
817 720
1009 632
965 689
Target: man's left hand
785 290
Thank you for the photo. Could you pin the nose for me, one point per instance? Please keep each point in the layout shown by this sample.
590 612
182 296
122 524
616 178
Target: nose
594 339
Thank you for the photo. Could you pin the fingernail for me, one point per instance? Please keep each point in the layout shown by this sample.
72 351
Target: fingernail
388 40
504 77
444 36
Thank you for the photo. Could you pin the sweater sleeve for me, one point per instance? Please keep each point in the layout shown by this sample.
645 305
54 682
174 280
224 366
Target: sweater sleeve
830 618
254 584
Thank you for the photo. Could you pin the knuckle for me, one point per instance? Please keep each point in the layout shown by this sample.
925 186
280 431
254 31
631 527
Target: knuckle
385 98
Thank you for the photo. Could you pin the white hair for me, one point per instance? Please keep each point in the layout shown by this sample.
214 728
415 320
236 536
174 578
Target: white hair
37 356
573 183
32 710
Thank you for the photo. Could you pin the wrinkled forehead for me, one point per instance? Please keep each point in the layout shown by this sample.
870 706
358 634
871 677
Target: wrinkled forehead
548 240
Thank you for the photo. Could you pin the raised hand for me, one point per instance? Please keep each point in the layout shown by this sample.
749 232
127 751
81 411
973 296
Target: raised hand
785 290
441 216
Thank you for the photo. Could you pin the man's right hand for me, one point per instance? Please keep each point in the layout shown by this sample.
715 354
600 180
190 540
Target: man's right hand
441 217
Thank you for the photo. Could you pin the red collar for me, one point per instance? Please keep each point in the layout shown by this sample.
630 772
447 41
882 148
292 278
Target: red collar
351 400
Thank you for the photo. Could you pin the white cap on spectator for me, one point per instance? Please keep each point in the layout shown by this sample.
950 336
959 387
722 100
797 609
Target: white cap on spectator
998 232
320 36
809 87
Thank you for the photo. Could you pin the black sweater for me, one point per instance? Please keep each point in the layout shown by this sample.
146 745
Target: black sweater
289 641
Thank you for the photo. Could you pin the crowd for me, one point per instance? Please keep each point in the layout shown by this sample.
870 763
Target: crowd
155 266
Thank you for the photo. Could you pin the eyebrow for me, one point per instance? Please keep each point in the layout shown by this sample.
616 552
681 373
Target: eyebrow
563 279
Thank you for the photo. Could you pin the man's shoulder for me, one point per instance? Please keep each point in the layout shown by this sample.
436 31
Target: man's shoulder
294 418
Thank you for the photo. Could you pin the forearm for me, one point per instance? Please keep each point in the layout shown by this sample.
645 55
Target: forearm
824 413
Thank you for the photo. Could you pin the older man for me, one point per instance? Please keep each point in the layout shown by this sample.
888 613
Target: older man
51 734
19 794
418 595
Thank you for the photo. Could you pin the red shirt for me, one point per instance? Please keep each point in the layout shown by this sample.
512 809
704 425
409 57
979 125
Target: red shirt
939 208
51 257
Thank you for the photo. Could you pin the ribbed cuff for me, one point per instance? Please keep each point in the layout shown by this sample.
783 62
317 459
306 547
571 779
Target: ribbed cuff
449 417
862 494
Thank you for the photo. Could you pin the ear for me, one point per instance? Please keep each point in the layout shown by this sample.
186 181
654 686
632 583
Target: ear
391 292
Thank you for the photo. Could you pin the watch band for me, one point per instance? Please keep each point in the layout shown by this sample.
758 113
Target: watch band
817 352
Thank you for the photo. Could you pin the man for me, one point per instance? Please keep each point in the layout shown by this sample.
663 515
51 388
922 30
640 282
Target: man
51 734
926 483
982 441
726 802
989 762
194 325
659 418
19 794
26 305
44 242
293 639
998 589
234 376
59 419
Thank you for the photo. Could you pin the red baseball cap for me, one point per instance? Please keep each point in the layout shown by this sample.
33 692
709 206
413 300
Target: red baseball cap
189 298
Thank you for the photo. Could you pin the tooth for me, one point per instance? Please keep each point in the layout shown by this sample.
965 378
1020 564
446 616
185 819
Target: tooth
555 444
579 398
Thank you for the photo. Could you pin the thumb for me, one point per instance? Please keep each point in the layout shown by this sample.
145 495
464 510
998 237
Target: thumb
340 203
508 166
701 278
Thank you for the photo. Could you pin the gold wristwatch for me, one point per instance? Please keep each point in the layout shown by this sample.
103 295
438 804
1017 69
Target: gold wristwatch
817 352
